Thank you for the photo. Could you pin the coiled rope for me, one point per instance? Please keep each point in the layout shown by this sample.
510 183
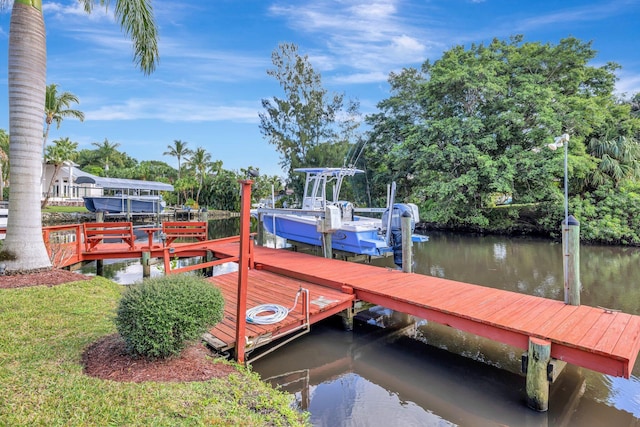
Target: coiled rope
276 312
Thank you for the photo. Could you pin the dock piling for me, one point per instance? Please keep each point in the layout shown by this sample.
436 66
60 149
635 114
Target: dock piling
572 284
146 264
407 249
537 382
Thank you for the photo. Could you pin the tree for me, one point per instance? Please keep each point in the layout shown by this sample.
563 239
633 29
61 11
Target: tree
178 150
619 159
199 161
466 127
4 160
62 150
27 96
107 152
56 108
309 127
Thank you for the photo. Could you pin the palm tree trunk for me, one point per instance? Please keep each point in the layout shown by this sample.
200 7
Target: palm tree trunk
27 84
45 201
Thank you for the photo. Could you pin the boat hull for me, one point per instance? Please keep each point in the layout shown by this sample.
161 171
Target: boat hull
358 237
123 204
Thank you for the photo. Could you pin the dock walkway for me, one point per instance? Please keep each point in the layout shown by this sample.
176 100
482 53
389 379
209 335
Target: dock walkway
598 339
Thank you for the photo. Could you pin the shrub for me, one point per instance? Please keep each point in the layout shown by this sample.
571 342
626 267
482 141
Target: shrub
158 317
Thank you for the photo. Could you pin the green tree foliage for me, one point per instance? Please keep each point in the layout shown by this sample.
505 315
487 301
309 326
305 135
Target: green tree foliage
106 160
309 126
472 127
199 163
178 150
62 150
158 317
56 108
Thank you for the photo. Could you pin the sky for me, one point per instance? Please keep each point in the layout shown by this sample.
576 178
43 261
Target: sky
214 57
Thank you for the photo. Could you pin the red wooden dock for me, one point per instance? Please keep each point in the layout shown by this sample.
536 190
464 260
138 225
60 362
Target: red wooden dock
595 338
598 339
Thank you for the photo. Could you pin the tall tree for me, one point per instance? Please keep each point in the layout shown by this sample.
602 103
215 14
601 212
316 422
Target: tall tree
4 160
475 115
62 150
309 127
107 152
178 150
56 108
200 162
27 94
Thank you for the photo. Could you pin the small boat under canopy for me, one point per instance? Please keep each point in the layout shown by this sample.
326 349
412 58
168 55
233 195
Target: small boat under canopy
125 195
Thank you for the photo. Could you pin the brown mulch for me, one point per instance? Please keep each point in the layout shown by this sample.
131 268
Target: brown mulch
46 277
107 358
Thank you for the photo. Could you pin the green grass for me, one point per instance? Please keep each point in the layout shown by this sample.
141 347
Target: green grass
65 209
46 329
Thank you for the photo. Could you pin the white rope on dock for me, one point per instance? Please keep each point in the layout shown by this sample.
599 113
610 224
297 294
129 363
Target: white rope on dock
276 312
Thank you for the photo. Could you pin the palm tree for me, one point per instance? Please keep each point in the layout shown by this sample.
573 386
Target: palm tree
200 161
619 159
27 94
179 150
56 108
57 154
106 151
4 160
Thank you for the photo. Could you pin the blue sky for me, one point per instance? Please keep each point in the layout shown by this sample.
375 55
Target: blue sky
214 55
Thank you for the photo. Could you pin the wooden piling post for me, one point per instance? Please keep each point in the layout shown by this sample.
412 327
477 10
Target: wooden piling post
243 270
407 244
537 382
146 265
99 216
572 285
327 245
99 267
260 230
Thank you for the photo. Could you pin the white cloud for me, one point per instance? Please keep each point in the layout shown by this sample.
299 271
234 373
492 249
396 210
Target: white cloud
370 37
170 110
629 84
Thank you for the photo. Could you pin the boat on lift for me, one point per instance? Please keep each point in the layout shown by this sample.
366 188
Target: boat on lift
350 232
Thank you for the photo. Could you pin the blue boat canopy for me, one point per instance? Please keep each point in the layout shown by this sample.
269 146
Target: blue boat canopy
124 184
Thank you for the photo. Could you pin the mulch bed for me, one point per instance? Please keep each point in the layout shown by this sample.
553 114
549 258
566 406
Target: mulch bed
51 277
107 358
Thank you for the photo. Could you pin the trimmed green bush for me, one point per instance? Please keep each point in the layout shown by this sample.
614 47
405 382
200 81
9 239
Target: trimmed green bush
158 317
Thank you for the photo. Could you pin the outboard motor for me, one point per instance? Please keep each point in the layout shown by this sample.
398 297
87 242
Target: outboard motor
396 226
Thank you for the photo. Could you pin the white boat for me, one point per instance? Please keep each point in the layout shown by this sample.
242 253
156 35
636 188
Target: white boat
349 232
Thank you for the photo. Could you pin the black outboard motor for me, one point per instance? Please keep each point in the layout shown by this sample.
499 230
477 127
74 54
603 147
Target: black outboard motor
396 228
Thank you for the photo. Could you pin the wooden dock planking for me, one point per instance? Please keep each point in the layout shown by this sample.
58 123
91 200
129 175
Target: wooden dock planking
577 336
264 287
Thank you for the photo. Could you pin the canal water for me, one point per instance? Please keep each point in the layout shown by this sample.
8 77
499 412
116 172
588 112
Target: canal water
424 374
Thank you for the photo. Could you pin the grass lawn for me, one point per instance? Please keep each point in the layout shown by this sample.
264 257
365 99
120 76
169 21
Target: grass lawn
44 331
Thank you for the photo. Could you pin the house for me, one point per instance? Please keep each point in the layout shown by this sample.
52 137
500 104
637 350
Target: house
71 185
